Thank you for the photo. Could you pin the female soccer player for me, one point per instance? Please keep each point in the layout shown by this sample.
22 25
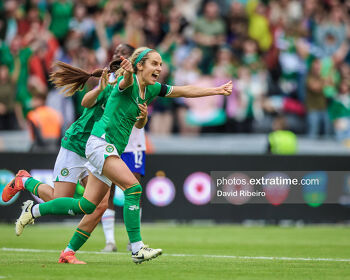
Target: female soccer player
69 167
134 157
136 86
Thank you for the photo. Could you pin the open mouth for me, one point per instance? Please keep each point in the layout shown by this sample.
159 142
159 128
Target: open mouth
155 76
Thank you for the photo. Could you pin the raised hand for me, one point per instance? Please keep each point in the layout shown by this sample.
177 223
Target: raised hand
226 89
143 112
103 80
126 64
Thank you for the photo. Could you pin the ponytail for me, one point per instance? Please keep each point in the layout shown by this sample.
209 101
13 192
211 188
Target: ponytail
71 79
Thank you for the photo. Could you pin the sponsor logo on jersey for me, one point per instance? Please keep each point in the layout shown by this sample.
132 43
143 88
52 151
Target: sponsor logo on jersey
133 207
109 149
70 212
64 172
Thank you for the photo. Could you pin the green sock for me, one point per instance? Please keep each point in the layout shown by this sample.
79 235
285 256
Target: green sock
79 238
131 212
32 185
66 206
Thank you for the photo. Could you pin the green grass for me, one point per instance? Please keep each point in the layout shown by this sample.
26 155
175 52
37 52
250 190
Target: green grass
306 242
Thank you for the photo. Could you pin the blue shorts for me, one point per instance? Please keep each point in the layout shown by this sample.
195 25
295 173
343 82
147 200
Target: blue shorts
136 161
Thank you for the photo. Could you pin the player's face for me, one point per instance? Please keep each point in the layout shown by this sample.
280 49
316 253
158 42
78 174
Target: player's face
120 50
151 68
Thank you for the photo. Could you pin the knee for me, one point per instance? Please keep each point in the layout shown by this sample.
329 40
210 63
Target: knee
86 206
102 207
134 190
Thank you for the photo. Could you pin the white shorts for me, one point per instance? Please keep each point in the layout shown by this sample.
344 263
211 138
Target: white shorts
97 150
69 167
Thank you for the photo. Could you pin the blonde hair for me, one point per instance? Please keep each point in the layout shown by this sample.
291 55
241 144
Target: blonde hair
132 59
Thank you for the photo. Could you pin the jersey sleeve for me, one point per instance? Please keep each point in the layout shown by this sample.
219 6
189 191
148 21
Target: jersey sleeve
116 90
165 90
103 96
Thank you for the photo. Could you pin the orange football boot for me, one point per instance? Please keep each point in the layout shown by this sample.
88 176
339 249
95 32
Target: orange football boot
69 257
15 186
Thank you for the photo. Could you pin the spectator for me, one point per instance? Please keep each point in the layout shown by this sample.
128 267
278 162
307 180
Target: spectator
82 24
61 12
281 141
45 124
153 31
8 119
223 67
209 34
266 47
340 112
258 24
187 72
237 26
206 112
250 91
316 103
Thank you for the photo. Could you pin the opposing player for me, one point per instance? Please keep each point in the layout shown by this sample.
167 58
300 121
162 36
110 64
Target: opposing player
137 85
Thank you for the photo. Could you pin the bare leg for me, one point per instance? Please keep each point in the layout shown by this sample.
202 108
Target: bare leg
111 197
95 190
89 222
64 189
118 172
45 192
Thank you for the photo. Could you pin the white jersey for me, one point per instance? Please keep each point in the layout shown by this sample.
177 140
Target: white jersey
137 140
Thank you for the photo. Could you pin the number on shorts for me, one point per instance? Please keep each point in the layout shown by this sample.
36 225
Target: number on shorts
138 159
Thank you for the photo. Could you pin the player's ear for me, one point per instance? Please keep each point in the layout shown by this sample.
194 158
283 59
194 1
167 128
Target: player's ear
139 66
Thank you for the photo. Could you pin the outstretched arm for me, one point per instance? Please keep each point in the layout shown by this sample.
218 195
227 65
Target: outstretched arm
194 91
90 97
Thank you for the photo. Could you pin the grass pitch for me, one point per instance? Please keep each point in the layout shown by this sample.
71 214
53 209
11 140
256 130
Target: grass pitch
190 252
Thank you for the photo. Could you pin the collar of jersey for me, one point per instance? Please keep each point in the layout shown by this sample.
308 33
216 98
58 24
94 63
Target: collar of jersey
139 90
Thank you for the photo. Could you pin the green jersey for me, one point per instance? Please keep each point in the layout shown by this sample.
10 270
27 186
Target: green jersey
78 133
122 110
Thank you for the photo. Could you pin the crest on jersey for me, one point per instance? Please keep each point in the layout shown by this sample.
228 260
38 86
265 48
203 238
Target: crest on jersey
64 172
109 149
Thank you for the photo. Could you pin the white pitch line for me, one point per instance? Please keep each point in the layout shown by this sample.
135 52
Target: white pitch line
186 255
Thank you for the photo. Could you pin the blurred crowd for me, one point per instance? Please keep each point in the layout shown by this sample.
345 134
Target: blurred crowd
286 58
